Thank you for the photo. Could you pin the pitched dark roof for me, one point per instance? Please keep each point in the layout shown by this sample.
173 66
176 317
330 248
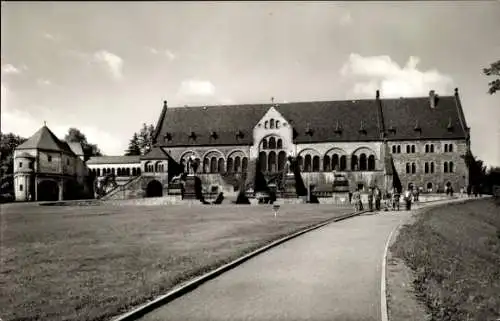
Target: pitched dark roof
156 153
76 148
45 139
114 160
404 114
323 117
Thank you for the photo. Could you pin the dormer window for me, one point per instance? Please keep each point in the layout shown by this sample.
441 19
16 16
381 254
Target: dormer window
168 137
214 135
362 129
450 125
20 164
271 124
309 131
338 128
239 134
392 129
192 136
277 124
417 127
49 158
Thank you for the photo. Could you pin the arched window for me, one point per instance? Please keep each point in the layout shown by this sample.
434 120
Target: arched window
354 163
271 162
432 148
426 148
343 163
450 167
307 163
138 171
98 172
327 164
277 124
280 144
445 165
281 160
426 167
413 149
266 124
335 162
429 187
315 167
134 172
407 168
394 149
450 148
271 123
213 165
127 171
119 172
407 149
300 161
229 165
244 164
413 168
371 163
272 143
237 164
264 143
263 161
445 148
220 165
113 171
432 167
362 162
206 165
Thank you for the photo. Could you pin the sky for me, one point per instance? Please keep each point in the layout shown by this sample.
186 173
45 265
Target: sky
107 67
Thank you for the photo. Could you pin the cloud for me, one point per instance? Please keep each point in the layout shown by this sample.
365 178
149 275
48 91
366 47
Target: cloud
10 69
51 37
381 72
346 19
43 82
113 62
25 124
168 53
194 87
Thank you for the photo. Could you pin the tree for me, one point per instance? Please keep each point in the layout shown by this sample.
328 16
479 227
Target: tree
494 70
8 142
134 147
146 138
75 135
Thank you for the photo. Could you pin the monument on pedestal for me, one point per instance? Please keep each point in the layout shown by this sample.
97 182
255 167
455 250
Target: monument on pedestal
192 184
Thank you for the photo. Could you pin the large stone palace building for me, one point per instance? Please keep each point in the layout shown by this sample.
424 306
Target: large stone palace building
426 137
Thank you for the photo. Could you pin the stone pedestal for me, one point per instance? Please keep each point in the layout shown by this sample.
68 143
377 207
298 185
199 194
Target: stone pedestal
190 187
289 184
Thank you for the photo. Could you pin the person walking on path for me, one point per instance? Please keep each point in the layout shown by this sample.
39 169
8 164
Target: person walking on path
356 198
408 199
395 200
370 200
378 196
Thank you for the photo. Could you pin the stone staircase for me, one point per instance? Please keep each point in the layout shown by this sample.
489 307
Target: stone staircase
131 189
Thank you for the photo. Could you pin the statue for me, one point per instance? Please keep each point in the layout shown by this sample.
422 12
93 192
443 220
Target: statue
192 165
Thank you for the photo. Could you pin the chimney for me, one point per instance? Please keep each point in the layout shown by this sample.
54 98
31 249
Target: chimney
378 95
432 98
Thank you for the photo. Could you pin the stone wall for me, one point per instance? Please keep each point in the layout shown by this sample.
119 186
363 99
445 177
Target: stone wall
439 178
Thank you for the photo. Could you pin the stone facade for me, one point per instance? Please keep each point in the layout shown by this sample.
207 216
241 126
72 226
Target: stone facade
435 178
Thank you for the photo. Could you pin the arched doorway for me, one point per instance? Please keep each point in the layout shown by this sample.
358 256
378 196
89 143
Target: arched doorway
48 190
154 189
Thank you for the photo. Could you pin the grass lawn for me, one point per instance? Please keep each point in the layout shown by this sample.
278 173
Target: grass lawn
94 262
454 252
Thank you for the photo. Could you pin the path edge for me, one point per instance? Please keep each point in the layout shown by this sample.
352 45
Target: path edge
194 283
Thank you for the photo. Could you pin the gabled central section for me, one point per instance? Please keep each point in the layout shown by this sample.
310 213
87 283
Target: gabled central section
272 141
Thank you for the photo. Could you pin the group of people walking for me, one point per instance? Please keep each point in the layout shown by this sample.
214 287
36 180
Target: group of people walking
390 199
